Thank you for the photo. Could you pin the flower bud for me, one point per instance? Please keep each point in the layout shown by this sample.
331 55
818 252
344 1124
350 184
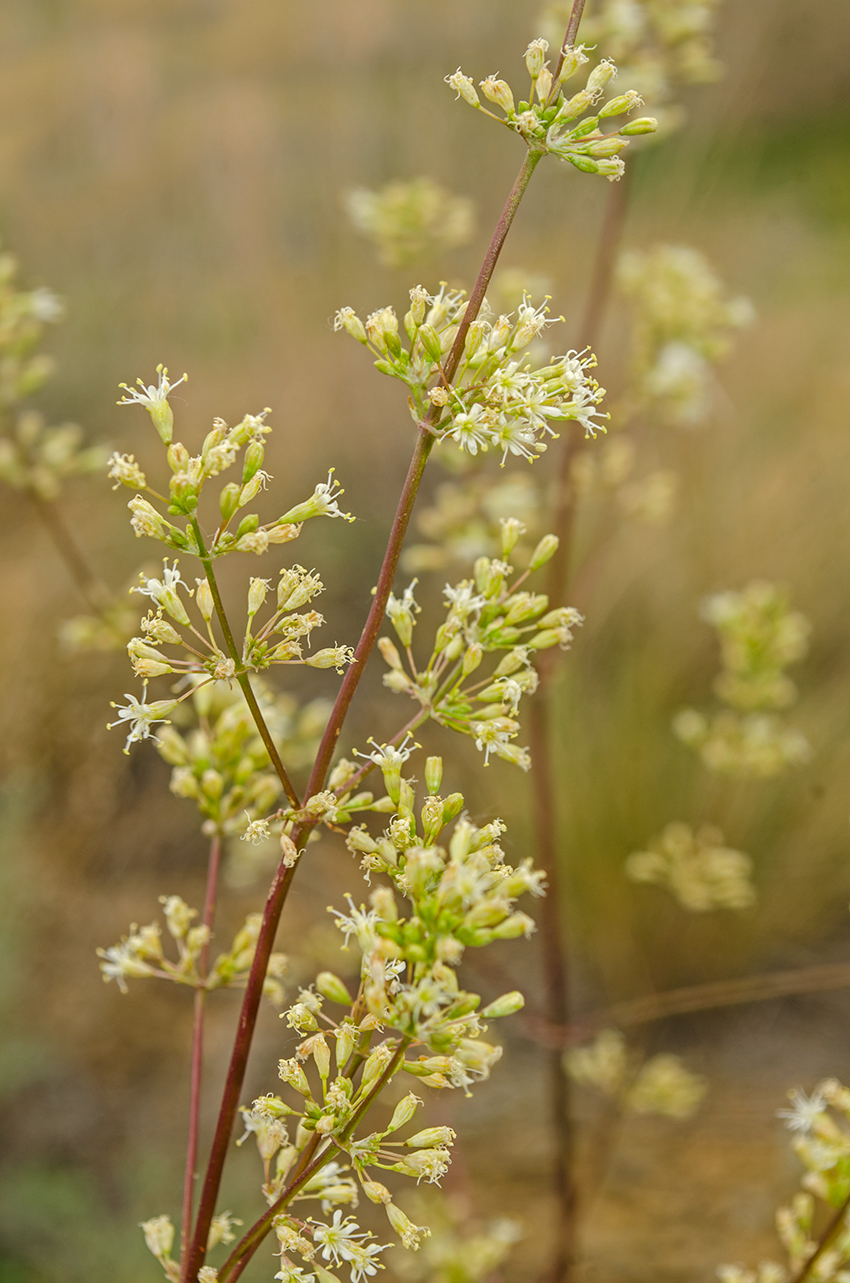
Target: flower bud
452 807
348 320
474 336
643 125
534 57
228 500
472 659
430 1137
499 92
504 1006
204 599
257 591
346 1040
403 1112
512 531
617 106
430 340
465 87
253 461
433 774
544 551
599 77
574 57
332 988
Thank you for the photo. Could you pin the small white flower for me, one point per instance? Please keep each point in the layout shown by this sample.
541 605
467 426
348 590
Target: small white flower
805 1110
142 716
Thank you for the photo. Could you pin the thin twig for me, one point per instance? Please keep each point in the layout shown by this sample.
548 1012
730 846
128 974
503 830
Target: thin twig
198 1048
689 999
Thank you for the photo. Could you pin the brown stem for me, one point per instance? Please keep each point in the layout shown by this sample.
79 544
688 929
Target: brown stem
91 589
198 1048
242 678
824 1241
283 877
248 1244
570 35
555 971
691 998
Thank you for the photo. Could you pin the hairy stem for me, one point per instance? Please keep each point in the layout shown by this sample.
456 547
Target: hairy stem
198 1049
282 881
248 1244
242 678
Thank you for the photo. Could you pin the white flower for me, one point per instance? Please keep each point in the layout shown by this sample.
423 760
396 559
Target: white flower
125 471
339 1238
142 716
257 831
159 1236
163 591
805 1110
151 397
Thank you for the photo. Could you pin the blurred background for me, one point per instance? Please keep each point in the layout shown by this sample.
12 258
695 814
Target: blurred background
176 171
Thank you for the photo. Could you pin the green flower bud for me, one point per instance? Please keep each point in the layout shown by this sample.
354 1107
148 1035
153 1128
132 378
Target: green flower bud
403 1112
332 988
504 1006
452 807
644 125
545 550
433 774
430 340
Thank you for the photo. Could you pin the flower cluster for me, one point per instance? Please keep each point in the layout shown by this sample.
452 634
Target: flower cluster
660 46
759 637
189 473
696 867
278 641
159 1239
33 456
460 893
465 520
489 613
407 221
459 1250
822 1143
500 399
219 759
649 499
140 954
553 124
661 1085
682 323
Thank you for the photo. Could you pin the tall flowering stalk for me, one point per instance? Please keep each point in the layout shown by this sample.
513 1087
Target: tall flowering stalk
472 382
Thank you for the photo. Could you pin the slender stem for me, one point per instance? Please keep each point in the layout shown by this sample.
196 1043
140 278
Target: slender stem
198 1048
248 1244
282 881
569 35
824 1241
242 678
91 588
553 941
556 992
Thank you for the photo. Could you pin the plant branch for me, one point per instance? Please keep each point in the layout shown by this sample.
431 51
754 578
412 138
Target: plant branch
242 678
824 1241
90 587
198 1049
250 1241
282 880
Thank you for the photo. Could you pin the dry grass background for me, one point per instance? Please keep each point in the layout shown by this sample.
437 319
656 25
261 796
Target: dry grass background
174 168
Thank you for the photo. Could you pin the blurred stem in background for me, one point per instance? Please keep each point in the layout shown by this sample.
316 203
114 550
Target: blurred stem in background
549 853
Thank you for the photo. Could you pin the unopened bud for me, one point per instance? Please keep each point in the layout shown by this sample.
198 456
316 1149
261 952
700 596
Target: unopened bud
512 531
625 102
403 1112
599 77
643 125
204 599
433 774
332 988
545 550
430 1137
472 659
534 57
452 806
504 1006
257 591
348 320
346 1039
430 340
499 92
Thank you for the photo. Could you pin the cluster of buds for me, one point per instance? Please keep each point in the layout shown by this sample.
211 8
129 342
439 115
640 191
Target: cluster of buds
660 46
408 221
159 1240
661 1085
822 1144
490 613
220 761
205 661
682 325
500 399
189 473
140 954
459 894
759 636
700 871
553 124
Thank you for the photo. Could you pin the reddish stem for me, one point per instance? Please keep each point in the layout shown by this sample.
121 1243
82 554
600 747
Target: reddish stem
198 1048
